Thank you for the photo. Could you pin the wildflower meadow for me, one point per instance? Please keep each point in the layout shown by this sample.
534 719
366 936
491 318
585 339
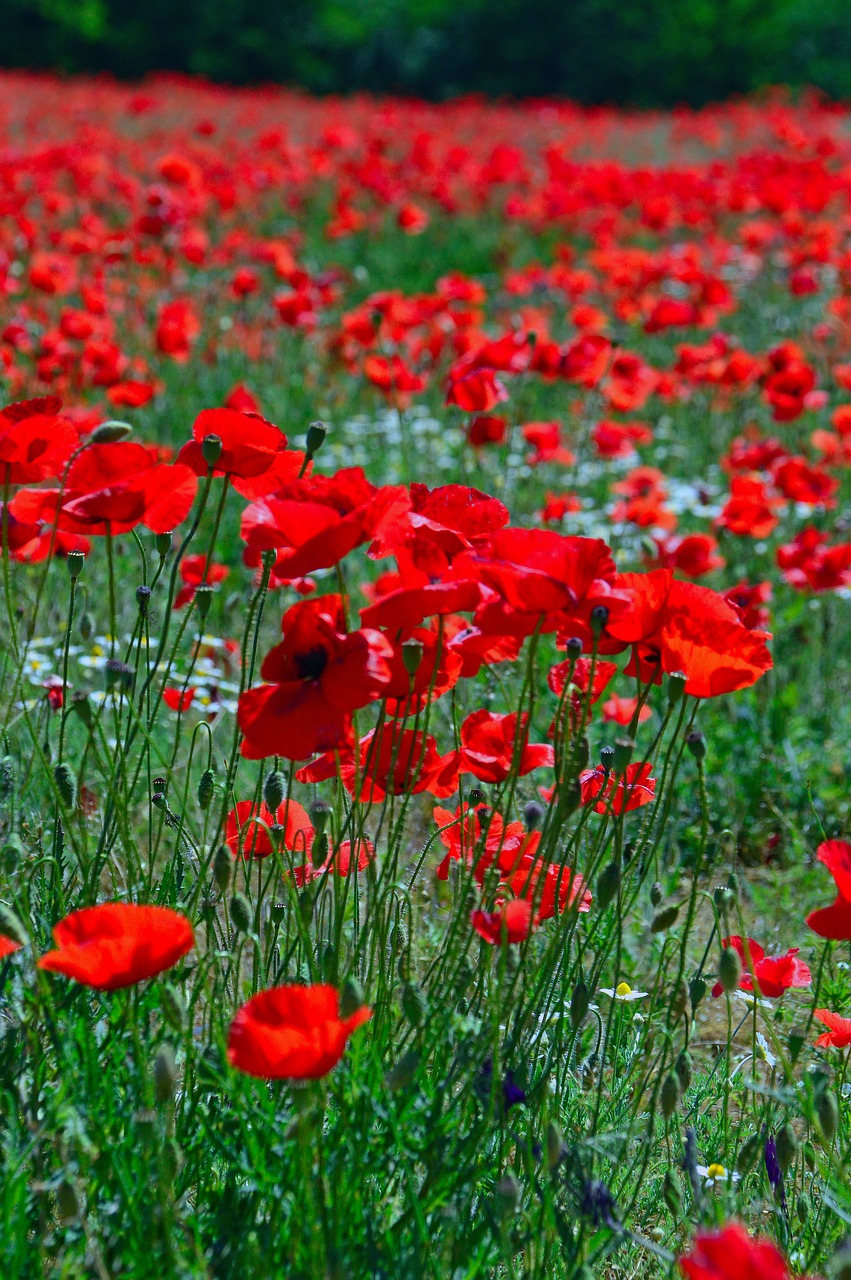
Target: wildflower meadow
425 686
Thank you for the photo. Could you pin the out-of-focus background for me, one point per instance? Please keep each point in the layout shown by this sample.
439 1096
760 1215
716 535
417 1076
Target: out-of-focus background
641 52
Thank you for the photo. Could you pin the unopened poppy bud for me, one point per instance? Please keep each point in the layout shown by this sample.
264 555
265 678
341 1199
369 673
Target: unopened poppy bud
574 647
202 600
809 1156
160 801
273 790
608 884
676 688
733 883
580 999
165 1074
68 1204
412 656
656 893
352 997
110 432
12 925
623 753
75 561
583 753
748 1153
119 675
827 1111
81 706
206 787
663 920
554 1147
533 815
804 1207
211 449
66 785
315 438
222 867
683 1068
162 542
696 744
476 796
697 989
319 813
679 999
672 1192
796 1041
402 1073
669 1095
86 626
598 618
414 1004
729 969
319 852
787 1147
143 598
607 758
173 1006
506 1195
240 912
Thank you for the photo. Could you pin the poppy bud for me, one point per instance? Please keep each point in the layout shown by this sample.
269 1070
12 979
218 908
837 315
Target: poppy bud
733 883
787 1147
679 999
672 1192
11 854
598 618
696 744
319 852
315 438
697 990
81 705
555 1148
803 1207
656 893
608 884
579 1001
683 1068
66 785
319 812
202 600
160 801
748 1152
162 542
414 1004
402 1072
669 1095
729 969
533 815
143 597
173 1006
110 432
476 796
165 1074
583 753
86 626
827 1111
506 1195
412 656
222 867
75 562
623 753
206 787
676 688
7 778
273 790
12 926
352 997
574 647
68 1205
240 912
664 919
118 674
796 1041
723 898
607 758
211 449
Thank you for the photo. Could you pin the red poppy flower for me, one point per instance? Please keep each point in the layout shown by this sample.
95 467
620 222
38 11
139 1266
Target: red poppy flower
291 1033
838 1034
316 677
773 974
176 698
192 572
489 745
439 670
35 443
731 1254
510 922
254 452
117 944
401 761
835 921
339 862
618 710
8 946
247 829
624 792
463 835
475 390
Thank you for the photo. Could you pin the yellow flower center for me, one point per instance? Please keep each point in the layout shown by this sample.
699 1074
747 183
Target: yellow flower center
716 1171
623 989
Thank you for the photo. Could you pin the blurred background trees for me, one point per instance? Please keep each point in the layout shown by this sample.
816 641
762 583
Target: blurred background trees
643 52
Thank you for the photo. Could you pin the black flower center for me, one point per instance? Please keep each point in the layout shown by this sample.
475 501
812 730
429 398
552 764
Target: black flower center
312 663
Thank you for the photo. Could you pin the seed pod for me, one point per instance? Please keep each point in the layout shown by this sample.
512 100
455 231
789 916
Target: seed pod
162 543
202 600
211 449
664 919
143 599
320 812
74 563
412 656
608 883
669 1095
676 687
273 790
574 647
809 1156
222 867
623 753
598 618
7 778
66 785
315 438
724 899
748 1153
729 969
240 912
173 1006
672 1192
607 758
696 744
555 1148
697 989
352 997
165 1074
533 815
206 787
787 1147
414 1004
579 1002
656 893
827 1111
683 1068
82 707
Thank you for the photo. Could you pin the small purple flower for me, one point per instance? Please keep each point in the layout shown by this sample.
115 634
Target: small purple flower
775 1173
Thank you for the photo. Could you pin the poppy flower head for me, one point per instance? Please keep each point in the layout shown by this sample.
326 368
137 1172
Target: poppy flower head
731 1254
118 944
291 1033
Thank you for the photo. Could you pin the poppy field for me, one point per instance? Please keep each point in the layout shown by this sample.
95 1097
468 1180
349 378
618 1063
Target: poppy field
425 845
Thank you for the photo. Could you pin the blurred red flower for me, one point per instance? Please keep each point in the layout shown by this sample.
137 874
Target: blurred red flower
291 1033
117 944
